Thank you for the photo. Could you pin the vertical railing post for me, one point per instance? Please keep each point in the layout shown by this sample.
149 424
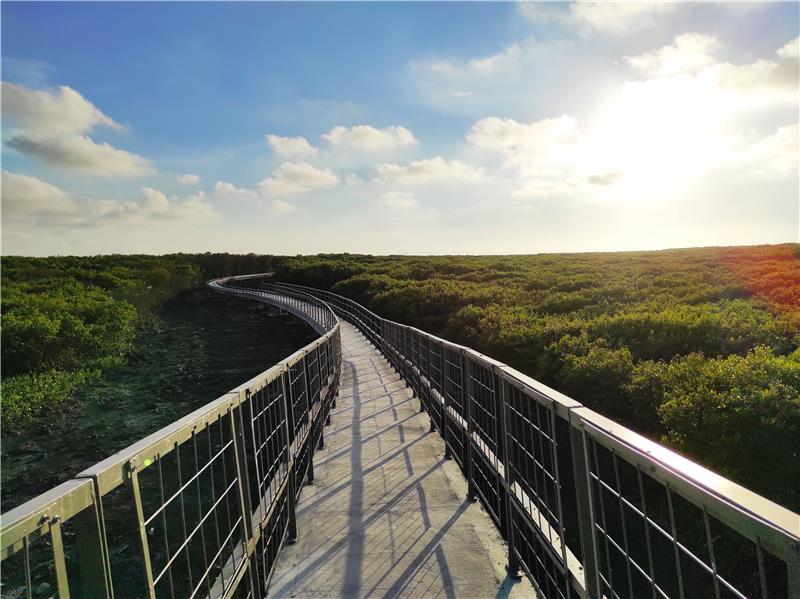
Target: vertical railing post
145 546
467 387
291 492
241 477
59 562
583 496
513 565
239 447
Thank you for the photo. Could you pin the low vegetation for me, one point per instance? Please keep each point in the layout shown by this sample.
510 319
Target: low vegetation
696 347
66 320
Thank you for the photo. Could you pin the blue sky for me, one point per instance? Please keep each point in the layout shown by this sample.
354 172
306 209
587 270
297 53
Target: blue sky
397 127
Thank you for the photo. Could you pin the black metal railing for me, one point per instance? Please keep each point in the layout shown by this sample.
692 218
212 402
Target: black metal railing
588 507
197 509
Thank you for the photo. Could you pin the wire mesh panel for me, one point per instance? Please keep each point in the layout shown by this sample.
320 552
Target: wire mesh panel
532 462
454 394
414 359
436 378
654 542
486 455
533 488
266 443
424 369
298 397
314 381
192 522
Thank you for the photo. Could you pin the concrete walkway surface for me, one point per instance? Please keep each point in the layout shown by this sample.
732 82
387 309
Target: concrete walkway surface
387 515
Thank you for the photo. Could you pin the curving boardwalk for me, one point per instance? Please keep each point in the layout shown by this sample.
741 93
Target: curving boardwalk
387 514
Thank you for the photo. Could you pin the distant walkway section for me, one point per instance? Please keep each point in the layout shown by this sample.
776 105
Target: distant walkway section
387 515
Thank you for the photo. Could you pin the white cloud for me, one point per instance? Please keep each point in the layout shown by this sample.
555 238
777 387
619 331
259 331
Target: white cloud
790 50
60 112
430 170
501 81
369 138
291 147
537 147
688 53
488 64
51 126
23 196
603 17
80 153
402 200
187 179
483 65
297 177
32 201
777 154
156 205
281 206
228 191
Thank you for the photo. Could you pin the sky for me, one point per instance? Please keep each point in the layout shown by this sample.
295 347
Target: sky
398 128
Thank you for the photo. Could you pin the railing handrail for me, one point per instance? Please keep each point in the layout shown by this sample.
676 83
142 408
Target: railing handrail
772 527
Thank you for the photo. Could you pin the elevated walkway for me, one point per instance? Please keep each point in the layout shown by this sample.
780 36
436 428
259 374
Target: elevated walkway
387 514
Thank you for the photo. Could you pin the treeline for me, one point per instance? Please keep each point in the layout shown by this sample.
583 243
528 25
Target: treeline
697 348
66 320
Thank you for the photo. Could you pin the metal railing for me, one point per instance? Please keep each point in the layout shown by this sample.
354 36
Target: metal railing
197 509
589 508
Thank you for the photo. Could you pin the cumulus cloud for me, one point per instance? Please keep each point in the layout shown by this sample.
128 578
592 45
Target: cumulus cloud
401 200
431 170
60 112
24 196
188 179
34 201
791 49
688 53
52 126
80 153
369 138
228 191
291 147
539 147
603 17
297 177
